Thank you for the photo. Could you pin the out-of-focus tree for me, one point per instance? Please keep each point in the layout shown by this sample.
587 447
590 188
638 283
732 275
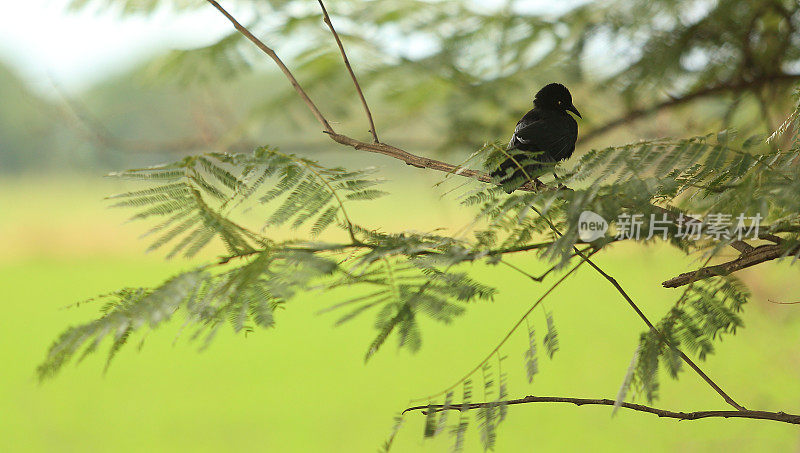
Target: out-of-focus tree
25 132
469 61
471 66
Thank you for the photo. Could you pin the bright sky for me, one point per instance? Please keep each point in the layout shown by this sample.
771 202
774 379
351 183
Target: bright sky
43 42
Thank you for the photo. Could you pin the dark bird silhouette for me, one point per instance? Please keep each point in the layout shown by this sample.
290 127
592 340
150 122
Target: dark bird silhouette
543 137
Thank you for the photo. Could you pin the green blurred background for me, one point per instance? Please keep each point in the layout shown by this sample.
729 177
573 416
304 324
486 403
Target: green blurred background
303 386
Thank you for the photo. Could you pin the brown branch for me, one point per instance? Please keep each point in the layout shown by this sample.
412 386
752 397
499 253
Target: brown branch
674 101
271 53
758 415
422 162
380 148
757 255
472 256
653 328
649 324
425 162
327 19
770 237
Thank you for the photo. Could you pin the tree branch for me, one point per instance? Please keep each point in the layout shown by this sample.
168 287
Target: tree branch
674 101
758 415
653 328
757 255
433 164
422 162
271 53
639 312
327 19
380 148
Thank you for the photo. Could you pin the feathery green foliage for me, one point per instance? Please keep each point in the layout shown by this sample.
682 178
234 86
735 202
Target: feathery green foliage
550 340
701 175
709 309
486 55
196 195
406 286
459 430
127 309
403 276
531 360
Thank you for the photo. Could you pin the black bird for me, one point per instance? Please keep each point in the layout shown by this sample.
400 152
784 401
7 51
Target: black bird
545 135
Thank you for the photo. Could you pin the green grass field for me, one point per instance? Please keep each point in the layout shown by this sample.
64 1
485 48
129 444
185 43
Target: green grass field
303 386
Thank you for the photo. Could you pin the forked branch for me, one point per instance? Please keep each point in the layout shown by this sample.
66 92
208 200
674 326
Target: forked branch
644 318
271 53
380 148
534 185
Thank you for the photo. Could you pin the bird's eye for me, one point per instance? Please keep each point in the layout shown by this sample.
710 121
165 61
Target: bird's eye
559 102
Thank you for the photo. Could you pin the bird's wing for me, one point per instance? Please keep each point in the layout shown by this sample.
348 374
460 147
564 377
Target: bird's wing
532 120
553 136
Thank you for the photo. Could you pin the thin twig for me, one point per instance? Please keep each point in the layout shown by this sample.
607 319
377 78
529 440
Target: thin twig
472 256
776 302
327 19
508 334
271 53
653 328
541 277
758 415
529 247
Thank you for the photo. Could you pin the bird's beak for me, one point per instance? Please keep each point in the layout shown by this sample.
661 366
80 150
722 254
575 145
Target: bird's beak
572 108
